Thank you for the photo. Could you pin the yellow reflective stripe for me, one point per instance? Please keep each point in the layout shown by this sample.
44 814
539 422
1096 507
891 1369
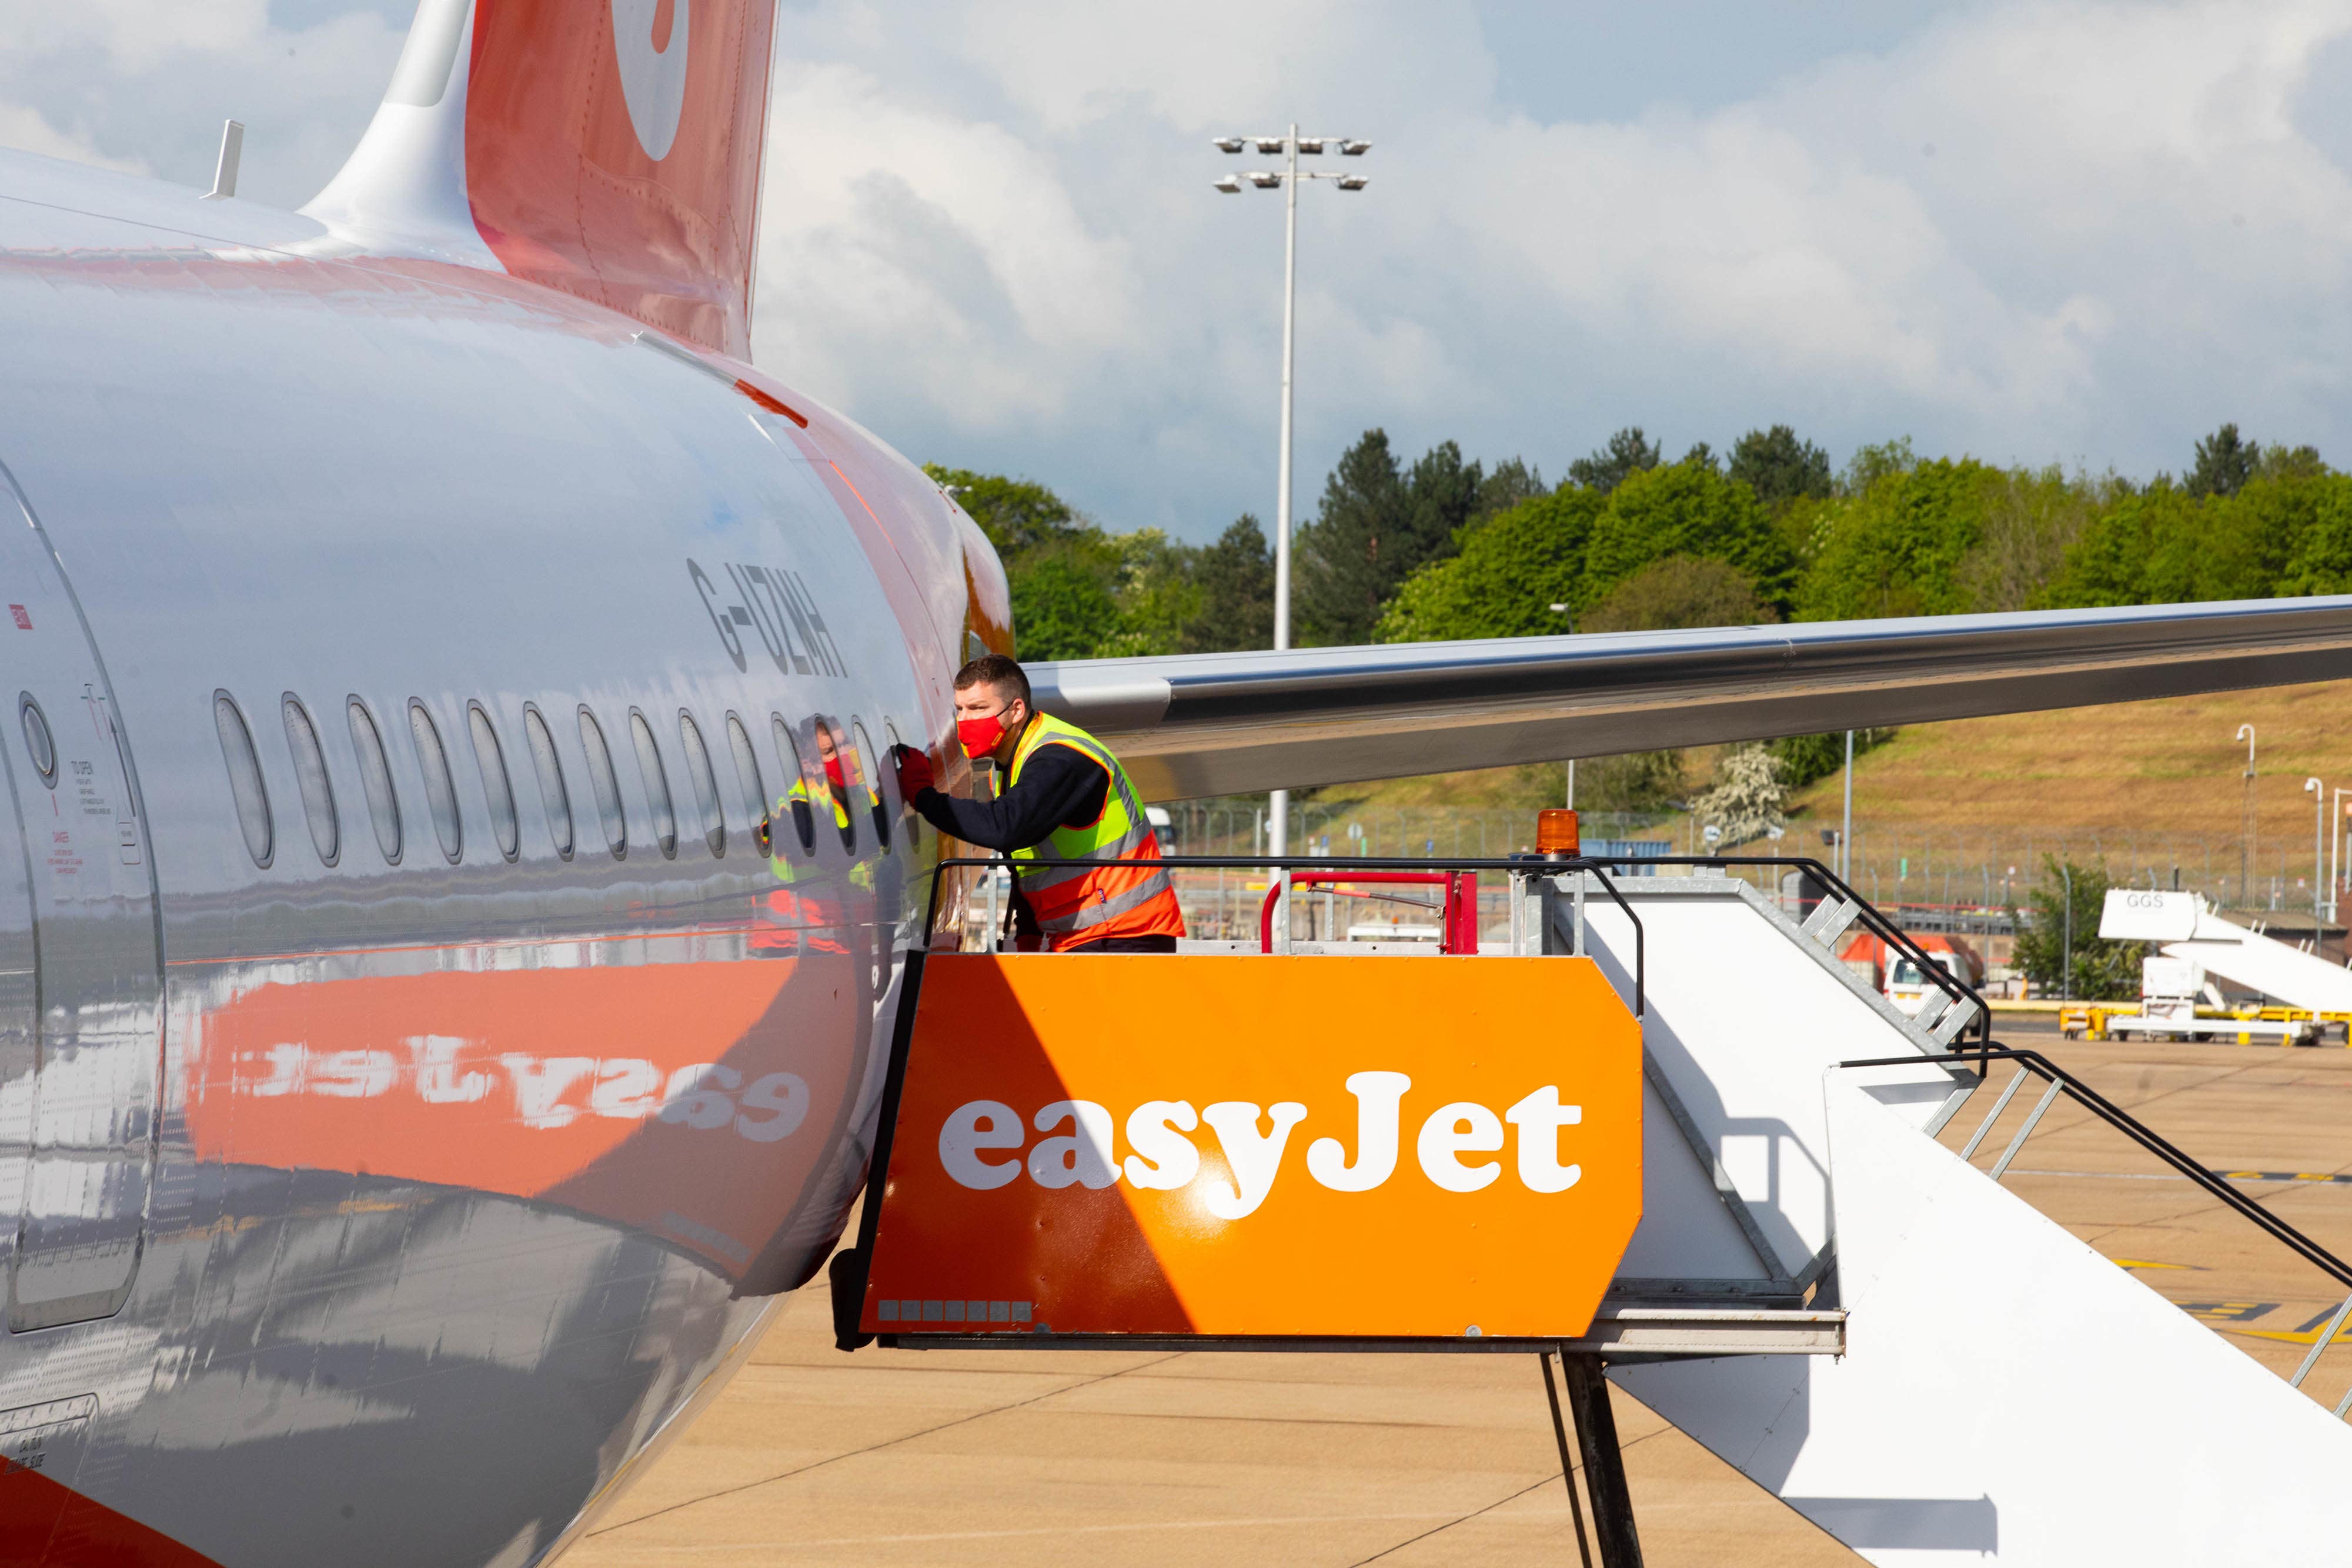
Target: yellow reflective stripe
1118 849
1087 915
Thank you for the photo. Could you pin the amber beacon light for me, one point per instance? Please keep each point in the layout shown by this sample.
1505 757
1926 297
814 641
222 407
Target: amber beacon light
1556 831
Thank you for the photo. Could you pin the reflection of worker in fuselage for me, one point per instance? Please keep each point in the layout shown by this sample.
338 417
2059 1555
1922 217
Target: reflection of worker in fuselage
1065 798
805 912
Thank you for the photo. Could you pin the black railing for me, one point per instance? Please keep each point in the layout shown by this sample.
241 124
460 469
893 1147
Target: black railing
1523 866
2114 1116
1957 991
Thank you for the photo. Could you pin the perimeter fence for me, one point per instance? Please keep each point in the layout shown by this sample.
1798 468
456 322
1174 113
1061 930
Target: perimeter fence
1957 879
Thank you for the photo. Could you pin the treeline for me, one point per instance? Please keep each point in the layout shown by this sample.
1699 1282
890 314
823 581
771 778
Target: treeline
1445 547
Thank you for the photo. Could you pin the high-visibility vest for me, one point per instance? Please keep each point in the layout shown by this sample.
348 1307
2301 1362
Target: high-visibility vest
1076 904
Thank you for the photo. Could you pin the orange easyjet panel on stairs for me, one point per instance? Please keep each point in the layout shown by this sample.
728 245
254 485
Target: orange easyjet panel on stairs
1321 1146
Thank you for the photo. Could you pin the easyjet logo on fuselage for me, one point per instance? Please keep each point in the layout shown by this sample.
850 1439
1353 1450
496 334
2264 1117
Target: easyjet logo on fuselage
1081 1151
543 1092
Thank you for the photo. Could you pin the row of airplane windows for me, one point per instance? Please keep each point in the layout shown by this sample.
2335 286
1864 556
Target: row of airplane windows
835 779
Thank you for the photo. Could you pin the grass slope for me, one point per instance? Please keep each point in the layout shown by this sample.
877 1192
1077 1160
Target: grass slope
2169 765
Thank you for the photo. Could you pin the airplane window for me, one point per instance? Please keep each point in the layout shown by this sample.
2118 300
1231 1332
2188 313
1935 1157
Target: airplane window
840 782
705 782
755 789
608 783
865 753
440 793
552 794
375 776
243 777
649 764
789 754
497 791
37 741
310 773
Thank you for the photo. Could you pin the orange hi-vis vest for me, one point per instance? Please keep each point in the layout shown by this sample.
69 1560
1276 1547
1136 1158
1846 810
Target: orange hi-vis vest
1077 904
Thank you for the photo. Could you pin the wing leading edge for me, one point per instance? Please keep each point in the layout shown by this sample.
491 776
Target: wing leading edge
1212 724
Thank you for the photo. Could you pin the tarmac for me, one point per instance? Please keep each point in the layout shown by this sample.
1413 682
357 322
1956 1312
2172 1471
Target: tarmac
977 1458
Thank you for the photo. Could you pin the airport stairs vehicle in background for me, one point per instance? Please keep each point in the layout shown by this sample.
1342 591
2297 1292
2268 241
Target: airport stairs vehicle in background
1807 1282
2186 927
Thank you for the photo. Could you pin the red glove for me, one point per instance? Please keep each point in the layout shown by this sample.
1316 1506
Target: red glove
913 773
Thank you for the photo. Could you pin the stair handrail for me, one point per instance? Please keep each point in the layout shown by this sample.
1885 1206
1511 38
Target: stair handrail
1523 866
1956 991
2147 1137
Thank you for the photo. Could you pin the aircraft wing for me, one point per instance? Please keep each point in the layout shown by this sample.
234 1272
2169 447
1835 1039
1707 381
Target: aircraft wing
1213 724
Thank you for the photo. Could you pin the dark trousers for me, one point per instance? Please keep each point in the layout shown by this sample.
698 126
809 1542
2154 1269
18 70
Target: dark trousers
1127 944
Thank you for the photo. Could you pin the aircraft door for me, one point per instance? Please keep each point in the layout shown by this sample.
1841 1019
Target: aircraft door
80 1045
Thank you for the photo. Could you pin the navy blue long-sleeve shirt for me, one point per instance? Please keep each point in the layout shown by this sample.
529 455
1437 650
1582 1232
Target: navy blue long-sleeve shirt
1060 786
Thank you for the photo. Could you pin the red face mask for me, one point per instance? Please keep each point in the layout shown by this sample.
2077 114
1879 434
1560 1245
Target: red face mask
980 735
833 770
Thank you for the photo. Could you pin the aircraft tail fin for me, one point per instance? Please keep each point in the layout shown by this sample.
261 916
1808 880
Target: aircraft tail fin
607 148
613 151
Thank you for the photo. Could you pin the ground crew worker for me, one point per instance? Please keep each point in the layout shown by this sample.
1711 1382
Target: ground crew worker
1064 797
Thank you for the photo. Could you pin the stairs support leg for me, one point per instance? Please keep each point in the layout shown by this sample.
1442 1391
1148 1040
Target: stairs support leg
1604 1465
1567 1460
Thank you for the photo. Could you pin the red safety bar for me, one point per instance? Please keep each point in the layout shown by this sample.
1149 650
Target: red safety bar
1457 933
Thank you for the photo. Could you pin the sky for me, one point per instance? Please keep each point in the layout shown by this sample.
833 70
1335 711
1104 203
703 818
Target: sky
2030 232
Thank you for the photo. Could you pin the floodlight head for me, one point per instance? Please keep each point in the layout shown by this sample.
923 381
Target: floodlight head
1231 143
1354 149
1229 185
1353 182
1265 182
1269 144
1310 144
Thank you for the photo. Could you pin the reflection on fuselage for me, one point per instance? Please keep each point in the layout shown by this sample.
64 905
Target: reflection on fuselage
486 1089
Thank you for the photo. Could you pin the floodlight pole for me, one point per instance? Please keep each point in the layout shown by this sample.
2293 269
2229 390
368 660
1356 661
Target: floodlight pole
2246 824
1280 803
2318 856
1845 835
2334 851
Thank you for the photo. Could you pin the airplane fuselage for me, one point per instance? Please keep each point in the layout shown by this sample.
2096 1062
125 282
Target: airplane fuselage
416 1081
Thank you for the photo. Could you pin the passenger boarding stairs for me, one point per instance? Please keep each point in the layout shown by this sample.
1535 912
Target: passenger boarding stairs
2005 1393
1865 1321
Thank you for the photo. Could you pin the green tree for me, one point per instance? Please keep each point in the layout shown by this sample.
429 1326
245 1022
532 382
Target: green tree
1064 603
1680 592
1635 783
2103 970
1017 515
1512 569
1780 468
1898 546
1236 578
1444 493
2285 535
1507 484
2224 463
1377 524
1870 464
1628 453
1805 757
1687 508
1159 595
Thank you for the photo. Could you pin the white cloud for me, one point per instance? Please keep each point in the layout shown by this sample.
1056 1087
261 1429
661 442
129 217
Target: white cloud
146 83
2031 231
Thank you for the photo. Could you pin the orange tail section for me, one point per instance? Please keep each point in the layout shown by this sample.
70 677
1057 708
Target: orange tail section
612 150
